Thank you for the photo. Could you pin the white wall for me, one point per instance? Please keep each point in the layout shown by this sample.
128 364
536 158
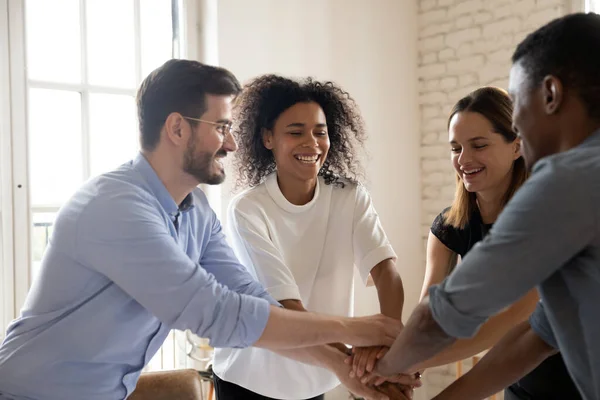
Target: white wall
369 48
463 44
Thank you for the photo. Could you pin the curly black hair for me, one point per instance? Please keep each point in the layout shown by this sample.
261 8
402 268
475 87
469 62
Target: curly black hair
266 97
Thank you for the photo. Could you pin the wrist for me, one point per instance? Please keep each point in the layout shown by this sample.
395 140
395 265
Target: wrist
333 359
383 367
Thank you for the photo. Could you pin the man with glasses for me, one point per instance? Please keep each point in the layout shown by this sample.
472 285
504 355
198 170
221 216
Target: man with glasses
138 251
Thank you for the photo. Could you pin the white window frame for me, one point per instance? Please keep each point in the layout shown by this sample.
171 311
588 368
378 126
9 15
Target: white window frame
198 27
575 6
592 6
7 292
16 139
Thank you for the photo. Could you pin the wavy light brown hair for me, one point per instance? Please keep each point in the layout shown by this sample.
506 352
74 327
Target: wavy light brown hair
495 105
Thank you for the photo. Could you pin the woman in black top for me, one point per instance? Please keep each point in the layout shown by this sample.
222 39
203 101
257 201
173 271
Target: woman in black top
489 169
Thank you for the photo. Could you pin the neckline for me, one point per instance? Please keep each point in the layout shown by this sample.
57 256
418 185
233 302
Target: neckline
277 196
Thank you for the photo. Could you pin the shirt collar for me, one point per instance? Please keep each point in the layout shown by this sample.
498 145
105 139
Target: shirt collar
159 190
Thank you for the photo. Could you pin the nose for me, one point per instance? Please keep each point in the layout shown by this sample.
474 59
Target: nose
464 157
312 141
229 143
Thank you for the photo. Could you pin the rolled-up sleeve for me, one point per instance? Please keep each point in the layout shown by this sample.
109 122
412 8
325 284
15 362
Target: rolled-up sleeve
125 238
541 326
545 224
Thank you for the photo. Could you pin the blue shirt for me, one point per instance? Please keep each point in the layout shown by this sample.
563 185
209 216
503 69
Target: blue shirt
116 277
548 236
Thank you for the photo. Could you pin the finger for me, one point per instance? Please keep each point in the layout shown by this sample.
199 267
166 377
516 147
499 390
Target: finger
408 392
380 381
362 363
371 359
403 379
393 392
369 379
348 360
382 352
355 361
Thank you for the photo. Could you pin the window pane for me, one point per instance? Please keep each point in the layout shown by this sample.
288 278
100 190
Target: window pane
43 224
53 41
55 156
157 36
110 38
113 131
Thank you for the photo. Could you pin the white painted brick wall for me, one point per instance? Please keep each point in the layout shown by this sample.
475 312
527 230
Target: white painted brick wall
463 44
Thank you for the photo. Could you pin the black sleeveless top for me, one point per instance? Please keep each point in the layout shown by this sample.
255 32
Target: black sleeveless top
550 380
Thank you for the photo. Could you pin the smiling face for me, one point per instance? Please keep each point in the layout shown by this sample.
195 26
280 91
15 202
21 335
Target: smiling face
206 146
482 158
299 142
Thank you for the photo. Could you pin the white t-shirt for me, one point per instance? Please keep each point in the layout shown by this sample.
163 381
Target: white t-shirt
305 253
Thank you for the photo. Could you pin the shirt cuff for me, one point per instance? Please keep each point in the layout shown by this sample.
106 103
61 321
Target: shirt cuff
285 292
541 327
251 322
373 258
453 322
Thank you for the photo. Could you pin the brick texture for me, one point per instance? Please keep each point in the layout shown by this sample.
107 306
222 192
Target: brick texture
463 45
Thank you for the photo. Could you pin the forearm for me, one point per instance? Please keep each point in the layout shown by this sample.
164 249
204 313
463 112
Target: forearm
488 335
286 329
323 356
389 289
420 339
518 353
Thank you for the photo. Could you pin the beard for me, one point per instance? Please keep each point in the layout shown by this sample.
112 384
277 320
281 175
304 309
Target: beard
200 165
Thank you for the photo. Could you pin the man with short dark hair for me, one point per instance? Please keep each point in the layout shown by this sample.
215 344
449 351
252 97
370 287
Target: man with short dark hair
138 251
547 236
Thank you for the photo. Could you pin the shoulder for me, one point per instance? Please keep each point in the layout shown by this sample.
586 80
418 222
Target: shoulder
113 194
450 236
344 188
439 223
250 203
575 166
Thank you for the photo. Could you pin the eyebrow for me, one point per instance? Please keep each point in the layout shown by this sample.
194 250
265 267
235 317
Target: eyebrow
223 121
302 125
470 140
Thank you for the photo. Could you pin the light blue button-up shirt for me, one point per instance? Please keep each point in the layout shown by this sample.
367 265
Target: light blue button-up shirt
116 277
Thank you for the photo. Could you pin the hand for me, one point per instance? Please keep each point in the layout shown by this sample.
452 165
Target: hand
396 392
410 380
342 371
363 359
374 330
363 362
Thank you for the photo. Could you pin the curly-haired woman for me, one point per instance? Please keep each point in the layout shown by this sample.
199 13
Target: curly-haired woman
300 227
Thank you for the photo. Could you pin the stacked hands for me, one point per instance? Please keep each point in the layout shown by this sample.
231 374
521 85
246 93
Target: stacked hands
358 371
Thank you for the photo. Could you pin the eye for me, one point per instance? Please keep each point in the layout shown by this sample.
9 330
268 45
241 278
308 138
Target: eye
322 133
481 146
455 149
295 133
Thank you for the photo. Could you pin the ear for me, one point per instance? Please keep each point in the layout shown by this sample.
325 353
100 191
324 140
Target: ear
552 94
267 138
517 148
174 128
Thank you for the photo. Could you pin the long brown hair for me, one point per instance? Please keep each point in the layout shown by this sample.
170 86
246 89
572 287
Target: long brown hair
495 105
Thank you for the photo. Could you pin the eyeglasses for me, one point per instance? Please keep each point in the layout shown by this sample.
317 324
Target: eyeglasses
224 128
